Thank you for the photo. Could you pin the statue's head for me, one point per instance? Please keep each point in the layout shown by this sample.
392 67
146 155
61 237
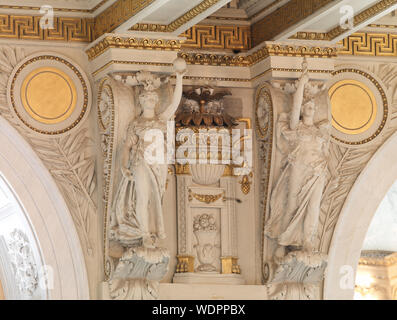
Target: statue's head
308 109
149 100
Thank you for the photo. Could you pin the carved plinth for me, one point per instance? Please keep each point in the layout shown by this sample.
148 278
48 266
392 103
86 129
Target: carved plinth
298 276
137 274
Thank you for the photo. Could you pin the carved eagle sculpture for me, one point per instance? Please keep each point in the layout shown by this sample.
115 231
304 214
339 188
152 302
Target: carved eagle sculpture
203 107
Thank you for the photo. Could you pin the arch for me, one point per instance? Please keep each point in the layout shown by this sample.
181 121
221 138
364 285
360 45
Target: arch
355 218
46 212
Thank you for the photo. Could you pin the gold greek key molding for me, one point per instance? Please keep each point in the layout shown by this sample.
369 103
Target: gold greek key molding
283 18
117 14
209 36
205 198
370 44
218 37
132 43
230 265
28 28
185 264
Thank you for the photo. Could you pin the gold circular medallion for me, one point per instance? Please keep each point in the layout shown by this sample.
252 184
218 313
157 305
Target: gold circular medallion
353 106
48 95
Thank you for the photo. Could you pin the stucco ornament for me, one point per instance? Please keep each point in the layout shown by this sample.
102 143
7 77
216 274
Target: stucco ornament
24 265
303 141
136 221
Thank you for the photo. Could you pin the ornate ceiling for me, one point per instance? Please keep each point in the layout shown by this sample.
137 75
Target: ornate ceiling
231 24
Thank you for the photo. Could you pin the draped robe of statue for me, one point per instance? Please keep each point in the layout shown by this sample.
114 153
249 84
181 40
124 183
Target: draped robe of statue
129 209
295 200
137 217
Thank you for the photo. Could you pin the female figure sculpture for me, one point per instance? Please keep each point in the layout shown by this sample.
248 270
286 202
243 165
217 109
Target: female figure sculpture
296 198
137 217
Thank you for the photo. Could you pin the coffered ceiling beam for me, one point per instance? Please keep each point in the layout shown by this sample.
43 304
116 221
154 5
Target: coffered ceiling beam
136 18
124 13
365 23
283 21
313 18
196 18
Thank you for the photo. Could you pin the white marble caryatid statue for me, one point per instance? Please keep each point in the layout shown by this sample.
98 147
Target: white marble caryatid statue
137 217
295 200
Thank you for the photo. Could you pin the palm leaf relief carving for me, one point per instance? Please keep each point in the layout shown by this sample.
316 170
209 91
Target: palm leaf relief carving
68 158
350 162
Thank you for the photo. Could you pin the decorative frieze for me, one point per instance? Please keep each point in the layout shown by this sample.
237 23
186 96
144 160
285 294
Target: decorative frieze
370 44
28 28
132 43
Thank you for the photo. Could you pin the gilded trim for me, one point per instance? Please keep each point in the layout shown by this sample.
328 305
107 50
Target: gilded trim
384 100
230 265
132 43
185 264
205 198
28 28
218 37
370 44
177 23
77 73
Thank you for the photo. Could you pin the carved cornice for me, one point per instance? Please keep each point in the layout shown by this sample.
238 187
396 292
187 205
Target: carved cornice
214 59
311 36
259 55
132 43
117 14
284 17
28 28
176 24
210 36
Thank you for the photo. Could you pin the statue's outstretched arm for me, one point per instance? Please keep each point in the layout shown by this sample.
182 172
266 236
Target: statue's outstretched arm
176 99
